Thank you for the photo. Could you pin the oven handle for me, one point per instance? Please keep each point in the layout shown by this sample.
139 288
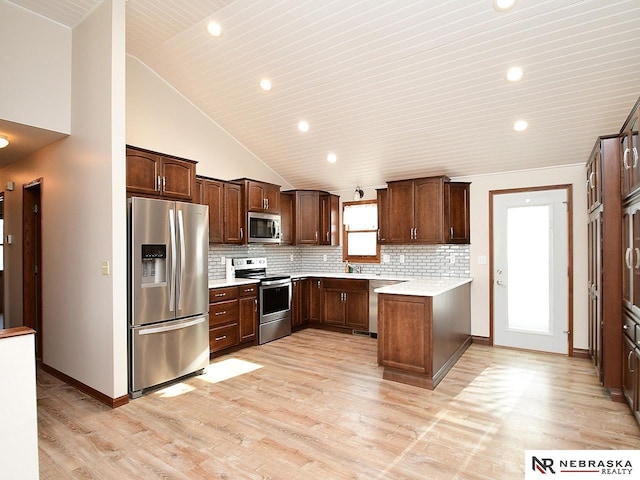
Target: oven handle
275 283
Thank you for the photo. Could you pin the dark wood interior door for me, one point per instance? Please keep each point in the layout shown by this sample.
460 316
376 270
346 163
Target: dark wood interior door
32 261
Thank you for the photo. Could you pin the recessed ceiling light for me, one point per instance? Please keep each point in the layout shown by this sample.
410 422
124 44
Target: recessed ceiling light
332 158
303 126
214 29
520 125
265 84
514 74
504 5
4 141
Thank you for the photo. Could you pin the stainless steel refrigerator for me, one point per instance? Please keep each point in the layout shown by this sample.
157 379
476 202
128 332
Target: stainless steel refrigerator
168 293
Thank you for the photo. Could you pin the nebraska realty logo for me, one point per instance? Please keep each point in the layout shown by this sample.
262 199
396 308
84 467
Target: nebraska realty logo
580 464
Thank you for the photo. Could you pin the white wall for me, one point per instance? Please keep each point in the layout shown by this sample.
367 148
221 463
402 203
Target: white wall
161 119
481 185
19 425
83 215
35 55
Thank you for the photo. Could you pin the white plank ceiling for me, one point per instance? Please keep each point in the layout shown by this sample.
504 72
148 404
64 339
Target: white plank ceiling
395 88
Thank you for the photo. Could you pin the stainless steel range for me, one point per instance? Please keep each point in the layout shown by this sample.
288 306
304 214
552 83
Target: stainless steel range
275 298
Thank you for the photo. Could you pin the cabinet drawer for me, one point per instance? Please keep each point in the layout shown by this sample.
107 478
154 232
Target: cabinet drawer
629 327
222 294
223 312
223 337
345 284
248 290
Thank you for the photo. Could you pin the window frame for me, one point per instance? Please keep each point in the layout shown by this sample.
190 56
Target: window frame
345 235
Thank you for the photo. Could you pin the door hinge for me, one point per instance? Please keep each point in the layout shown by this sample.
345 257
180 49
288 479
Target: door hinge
35 269
35 208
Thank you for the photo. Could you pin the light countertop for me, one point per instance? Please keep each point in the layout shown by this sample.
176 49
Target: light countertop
223 282
419 286
424 287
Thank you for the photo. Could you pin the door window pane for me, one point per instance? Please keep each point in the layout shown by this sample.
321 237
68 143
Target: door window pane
528 251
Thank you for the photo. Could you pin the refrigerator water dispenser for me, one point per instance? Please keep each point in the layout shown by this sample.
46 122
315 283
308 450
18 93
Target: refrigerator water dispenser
154 265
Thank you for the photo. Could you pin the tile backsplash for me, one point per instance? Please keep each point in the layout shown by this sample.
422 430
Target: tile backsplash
419 260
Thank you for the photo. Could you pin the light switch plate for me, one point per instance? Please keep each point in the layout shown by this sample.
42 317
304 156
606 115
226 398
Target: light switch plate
386 258
482 259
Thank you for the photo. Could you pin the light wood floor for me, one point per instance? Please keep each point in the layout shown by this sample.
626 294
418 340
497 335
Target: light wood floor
319 409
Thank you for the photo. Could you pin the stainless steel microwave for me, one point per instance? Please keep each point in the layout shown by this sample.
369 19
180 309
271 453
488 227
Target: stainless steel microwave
264 228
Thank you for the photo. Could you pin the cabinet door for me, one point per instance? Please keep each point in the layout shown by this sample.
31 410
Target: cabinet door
272 198
627 261
429 210
629 367
286 218
593 249
248 318
329 215
401 207
306 219
255 197
333 311
178 178
633 150
213 195
315 299
383 215
457 202
296 303
198 192
233 214
635 264
143 172
357 310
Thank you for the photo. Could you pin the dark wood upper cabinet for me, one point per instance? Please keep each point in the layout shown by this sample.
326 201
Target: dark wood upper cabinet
212 194
234 216
383 215
329 219
260 196
158 175
630 151
306 208
286 218
457 212
429 210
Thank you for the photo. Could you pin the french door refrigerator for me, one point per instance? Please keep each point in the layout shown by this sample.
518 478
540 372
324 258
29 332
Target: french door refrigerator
168 291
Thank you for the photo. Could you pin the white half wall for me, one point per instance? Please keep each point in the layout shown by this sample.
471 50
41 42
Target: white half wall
159 118
35 55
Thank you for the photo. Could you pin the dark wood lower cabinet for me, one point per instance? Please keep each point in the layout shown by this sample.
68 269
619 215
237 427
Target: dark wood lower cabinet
345 303
233 318
420 338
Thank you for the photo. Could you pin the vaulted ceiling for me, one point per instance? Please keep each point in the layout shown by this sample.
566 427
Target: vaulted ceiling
395 88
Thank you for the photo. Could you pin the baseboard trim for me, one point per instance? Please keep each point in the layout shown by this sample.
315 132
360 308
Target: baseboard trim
481 340
581 353
92 392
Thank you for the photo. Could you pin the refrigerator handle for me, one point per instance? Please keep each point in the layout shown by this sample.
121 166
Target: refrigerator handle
182 257
172 276
169 328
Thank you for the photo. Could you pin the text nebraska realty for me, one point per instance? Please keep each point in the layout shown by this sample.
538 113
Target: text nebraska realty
605 467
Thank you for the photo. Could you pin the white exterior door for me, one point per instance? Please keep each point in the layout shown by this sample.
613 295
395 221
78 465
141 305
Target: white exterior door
531 270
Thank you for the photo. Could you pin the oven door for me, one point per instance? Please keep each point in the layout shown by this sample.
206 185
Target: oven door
275 310
275 300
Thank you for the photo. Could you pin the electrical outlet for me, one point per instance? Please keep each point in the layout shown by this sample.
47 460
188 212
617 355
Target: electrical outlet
222 260
291 258
324 258
386 258
402 258
105 267
452 258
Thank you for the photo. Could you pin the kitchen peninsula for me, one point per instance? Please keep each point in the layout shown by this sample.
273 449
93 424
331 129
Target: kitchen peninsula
424 328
